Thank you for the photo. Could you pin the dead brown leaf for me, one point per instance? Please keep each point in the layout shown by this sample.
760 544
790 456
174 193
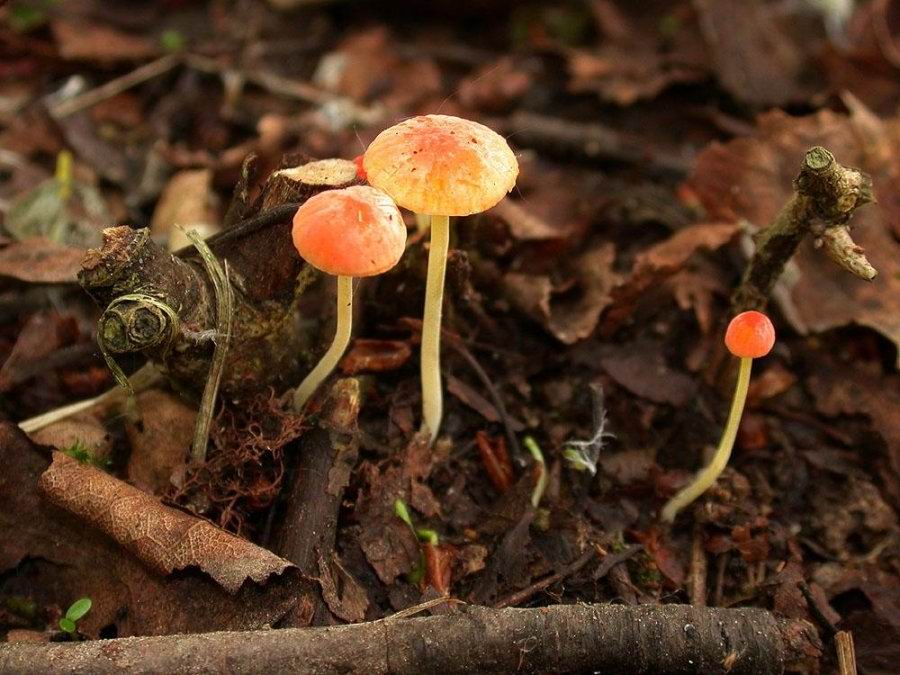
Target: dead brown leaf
570 312
638 60
164 539
345 597
754 57
42 335
83 41
751 178
37 260
160 441
855 390
641 368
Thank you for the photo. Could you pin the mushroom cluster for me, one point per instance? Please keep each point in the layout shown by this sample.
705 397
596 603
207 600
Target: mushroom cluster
436 166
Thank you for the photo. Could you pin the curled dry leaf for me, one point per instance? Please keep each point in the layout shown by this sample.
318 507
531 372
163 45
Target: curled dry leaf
751 178
568 318
37 260
161 537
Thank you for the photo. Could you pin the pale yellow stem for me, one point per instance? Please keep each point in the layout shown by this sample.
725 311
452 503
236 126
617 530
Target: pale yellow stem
432 396
341 339
708 475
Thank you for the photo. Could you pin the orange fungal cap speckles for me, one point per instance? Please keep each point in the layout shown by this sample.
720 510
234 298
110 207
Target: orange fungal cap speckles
441 165
353 232
750 334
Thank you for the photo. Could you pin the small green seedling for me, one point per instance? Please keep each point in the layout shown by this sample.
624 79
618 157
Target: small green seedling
538 456
422 534
78 450
69 623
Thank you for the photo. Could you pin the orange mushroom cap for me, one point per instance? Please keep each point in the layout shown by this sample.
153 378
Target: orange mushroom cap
441 165
353 232
750 334
360 169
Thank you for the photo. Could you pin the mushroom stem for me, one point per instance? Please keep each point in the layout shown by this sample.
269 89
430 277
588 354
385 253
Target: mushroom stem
708 475
432 400
341 339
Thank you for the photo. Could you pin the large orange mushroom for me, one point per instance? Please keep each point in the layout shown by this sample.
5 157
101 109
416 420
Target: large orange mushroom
439 166
353 232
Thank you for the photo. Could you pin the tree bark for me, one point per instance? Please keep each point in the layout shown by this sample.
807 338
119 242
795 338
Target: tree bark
561 639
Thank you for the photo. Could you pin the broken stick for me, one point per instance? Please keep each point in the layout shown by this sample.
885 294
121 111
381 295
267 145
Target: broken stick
560 639
826 195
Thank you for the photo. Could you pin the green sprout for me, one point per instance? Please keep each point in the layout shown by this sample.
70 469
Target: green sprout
423 534
78 451
172 41
69 623
538 456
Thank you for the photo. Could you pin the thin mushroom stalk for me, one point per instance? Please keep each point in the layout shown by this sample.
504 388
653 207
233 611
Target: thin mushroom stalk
444 166
352 232
432 392
750 335
330 359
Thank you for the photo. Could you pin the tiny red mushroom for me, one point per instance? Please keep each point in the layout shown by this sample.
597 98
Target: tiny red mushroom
353 232
440 166
750 335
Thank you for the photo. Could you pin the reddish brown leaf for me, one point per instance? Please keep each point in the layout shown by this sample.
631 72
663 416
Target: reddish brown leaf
496 462
375 356
94 42
40 261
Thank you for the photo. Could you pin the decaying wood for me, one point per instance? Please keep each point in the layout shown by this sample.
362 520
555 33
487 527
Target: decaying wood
299 183
825 197
561 639
132 278
327 455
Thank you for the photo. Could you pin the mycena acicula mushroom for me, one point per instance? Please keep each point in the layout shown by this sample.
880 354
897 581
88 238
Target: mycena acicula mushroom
354 232
439 166
749 336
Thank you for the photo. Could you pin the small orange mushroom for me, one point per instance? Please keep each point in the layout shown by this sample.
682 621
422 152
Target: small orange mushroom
750 335
353 232
439 166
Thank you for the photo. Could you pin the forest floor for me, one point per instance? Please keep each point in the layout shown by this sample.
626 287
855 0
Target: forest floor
590 305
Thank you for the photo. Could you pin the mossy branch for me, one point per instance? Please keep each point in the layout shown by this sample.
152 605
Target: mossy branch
826 195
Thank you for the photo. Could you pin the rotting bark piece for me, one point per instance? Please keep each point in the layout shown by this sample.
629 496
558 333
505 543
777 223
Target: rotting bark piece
164 539
561 638
299 183
824 192
327 456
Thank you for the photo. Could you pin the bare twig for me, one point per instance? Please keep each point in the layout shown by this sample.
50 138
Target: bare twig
825 197
115 87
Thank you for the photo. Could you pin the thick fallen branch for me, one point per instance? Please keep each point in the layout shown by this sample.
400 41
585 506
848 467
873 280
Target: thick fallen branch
561 639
